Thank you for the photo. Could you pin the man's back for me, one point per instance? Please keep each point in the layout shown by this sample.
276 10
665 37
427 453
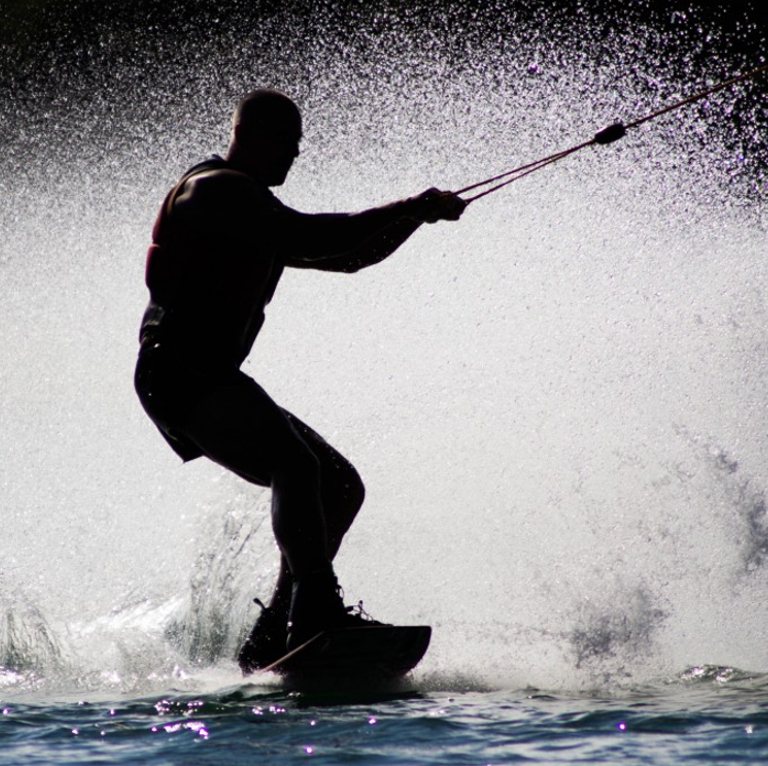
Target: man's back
213 265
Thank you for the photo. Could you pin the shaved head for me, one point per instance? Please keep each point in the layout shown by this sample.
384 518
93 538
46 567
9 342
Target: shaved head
266 132
267 110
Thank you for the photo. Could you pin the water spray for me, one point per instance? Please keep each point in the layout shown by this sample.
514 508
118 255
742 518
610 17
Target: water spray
606 136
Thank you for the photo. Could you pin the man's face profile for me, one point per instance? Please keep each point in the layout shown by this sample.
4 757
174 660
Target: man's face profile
267 133
280 147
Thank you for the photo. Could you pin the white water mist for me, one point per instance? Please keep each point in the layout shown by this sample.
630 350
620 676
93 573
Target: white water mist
557 404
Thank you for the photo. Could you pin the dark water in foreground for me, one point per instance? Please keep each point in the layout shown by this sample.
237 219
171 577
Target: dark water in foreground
707 715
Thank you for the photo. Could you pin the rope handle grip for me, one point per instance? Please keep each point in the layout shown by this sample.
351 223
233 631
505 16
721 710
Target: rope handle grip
610 134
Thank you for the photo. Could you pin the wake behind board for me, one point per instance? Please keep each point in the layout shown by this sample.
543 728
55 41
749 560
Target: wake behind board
376 652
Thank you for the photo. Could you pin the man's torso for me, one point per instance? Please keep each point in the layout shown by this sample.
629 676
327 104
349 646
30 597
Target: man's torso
213 266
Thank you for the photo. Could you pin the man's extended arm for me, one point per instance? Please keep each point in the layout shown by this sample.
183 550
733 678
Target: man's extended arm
352 241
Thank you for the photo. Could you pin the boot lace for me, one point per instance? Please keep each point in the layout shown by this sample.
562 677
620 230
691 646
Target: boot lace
357 615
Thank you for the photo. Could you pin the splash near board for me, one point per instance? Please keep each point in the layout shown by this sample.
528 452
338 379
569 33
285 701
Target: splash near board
375 653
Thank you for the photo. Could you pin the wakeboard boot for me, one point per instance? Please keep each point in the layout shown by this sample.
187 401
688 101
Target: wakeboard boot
267 640
317 605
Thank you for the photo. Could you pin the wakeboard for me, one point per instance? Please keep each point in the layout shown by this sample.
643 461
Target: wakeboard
376 652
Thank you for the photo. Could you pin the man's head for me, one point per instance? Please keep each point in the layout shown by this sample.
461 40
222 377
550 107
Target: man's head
266 131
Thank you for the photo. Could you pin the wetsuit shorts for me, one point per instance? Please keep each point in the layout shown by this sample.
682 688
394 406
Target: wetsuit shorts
169 389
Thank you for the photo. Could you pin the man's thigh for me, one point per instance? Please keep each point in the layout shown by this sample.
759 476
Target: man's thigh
240 427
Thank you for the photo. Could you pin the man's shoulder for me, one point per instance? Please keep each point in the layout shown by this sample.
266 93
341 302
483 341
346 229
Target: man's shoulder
213 186
223 179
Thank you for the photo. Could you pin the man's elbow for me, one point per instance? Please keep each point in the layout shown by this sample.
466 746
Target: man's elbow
352 268
337 266
345 265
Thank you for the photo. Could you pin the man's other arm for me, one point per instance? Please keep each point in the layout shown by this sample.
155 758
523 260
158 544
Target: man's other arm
348 242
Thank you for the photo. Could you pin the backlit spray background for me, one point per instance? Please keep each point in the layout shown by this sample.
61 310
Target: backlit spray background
558 404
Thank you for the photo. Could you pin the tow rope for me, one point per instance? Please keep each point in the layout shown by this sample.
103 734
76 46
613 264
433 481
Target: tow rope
606 136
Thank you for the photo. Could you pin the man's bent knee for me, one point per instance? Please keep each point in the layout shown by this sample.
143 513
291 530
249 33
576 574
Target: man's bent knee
354 491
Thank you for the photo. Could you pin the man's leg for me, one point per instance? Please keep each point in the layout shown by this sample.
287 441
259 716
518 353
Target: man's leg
242 429
341 489
316 492
341 495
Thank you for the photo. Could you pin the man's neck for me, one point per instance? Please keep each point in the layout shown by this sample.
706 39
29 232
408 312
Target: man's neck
237 162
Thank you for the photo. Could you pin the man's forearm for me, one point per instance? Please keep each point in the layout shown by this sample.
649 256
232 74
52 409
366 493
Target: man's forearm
349 242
